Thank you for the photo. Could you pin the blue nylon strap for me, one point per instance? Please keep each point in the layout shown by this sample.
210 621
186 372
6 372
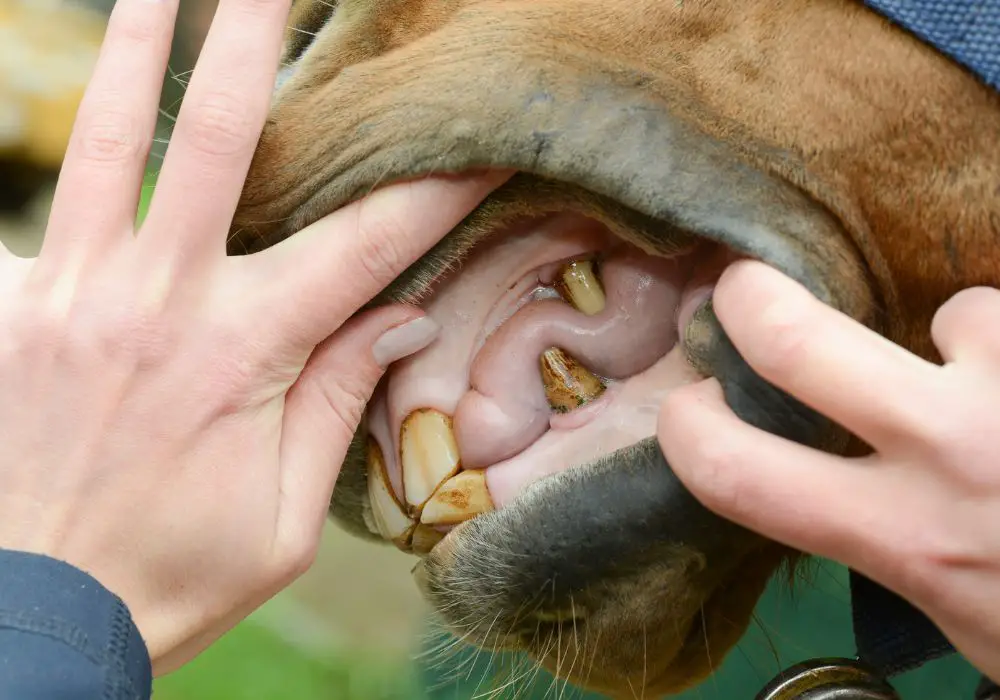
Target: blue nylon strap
890 634
967 31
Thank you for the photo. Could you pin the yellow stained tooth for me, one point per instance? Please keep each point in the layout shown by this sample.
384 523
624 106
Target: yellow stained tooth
425 539
581 287
461 498
420 577
568 384
388 515
369 518
428 454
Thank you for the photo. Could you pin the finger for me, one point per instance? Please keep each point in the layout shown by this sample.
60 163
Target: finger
833 364
97 195
7 256
13 270
967 327
806 499
217 129
319 277
324 407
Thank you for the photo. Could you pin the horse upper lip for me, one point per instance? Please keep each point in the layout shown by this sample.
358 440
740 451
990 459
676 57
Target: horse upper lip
632 149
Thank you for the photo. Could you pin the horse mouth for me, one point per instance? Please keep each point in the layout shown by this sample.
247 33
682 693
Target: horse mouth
515 455
559 342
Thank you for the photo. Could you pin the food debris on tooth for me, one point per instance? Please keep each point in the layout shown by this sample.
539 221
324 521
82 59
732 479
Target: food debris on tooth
460 498
579 285
424 539
568 384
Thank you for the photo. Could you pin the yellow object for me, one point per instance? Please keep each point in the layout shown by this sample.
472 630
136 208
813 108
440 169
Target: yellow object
48 49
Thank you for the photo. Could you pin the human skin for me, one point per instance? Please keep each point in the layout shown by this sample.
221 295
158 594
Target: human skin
921 513
172 420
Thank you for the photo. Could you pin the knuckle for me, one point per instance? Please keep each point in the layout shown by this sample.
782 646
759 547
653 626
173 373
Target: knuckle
259 7
342 392
38 328
109 136
347 401
138 337
129 333
380 254
79 326
219 125
715 478
297 552
136 26
785 338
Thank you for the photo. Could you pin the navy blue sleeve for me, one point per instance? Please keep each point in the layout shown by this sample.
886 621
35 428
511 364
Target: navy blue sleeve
63 635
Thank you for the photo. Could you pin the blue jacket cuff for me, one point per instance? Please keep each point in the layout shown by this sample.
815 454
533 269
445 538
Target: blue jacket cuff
64 635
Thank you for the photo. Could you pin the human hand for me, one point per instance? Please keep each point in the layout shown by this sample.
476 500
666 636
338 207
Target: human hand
921 515
172 421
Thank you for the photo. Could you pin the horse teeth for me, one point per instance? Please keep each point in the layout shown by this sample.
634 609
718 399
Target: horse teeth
428 455
461 498
568 384
424 539
387 514
581 287
368 516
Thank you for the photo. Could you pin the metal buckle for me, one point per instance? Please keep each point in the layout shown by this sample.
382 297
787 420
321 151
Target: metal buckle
829 679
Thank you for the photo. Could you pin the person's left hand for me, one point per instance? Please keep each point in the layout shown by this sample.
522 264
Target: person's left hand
922 514
173 420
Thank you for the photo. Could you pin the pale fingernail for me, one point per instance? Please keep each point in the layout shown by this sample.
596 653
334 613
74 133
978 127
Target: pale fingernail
406 339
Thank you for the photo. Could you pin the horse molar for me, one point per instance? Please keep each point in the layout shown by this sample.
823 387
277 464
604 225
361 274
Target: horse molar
579 285
568 384
424 539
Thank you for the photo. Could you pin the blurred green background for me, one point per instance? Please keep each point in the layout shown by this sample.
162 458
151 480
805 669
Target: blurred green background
257 661
354 628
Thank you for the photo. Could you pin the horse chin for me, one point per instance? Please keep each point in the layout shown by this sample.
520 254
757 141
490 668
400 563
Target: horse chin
656 630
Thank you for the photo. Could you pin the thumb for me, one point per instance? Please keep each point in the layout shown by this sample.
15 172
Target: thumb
323 410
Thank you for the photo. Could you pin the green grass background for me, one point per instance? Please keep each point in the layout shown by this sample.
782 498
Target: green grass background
251 663
256 662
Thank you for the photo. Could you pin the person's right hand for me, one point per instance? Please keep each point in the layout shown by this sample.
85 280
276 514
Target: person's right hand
921 514
172 421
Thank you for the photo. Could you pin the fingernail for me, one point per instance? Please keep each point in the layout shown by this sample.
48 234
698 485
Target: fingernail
406 339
